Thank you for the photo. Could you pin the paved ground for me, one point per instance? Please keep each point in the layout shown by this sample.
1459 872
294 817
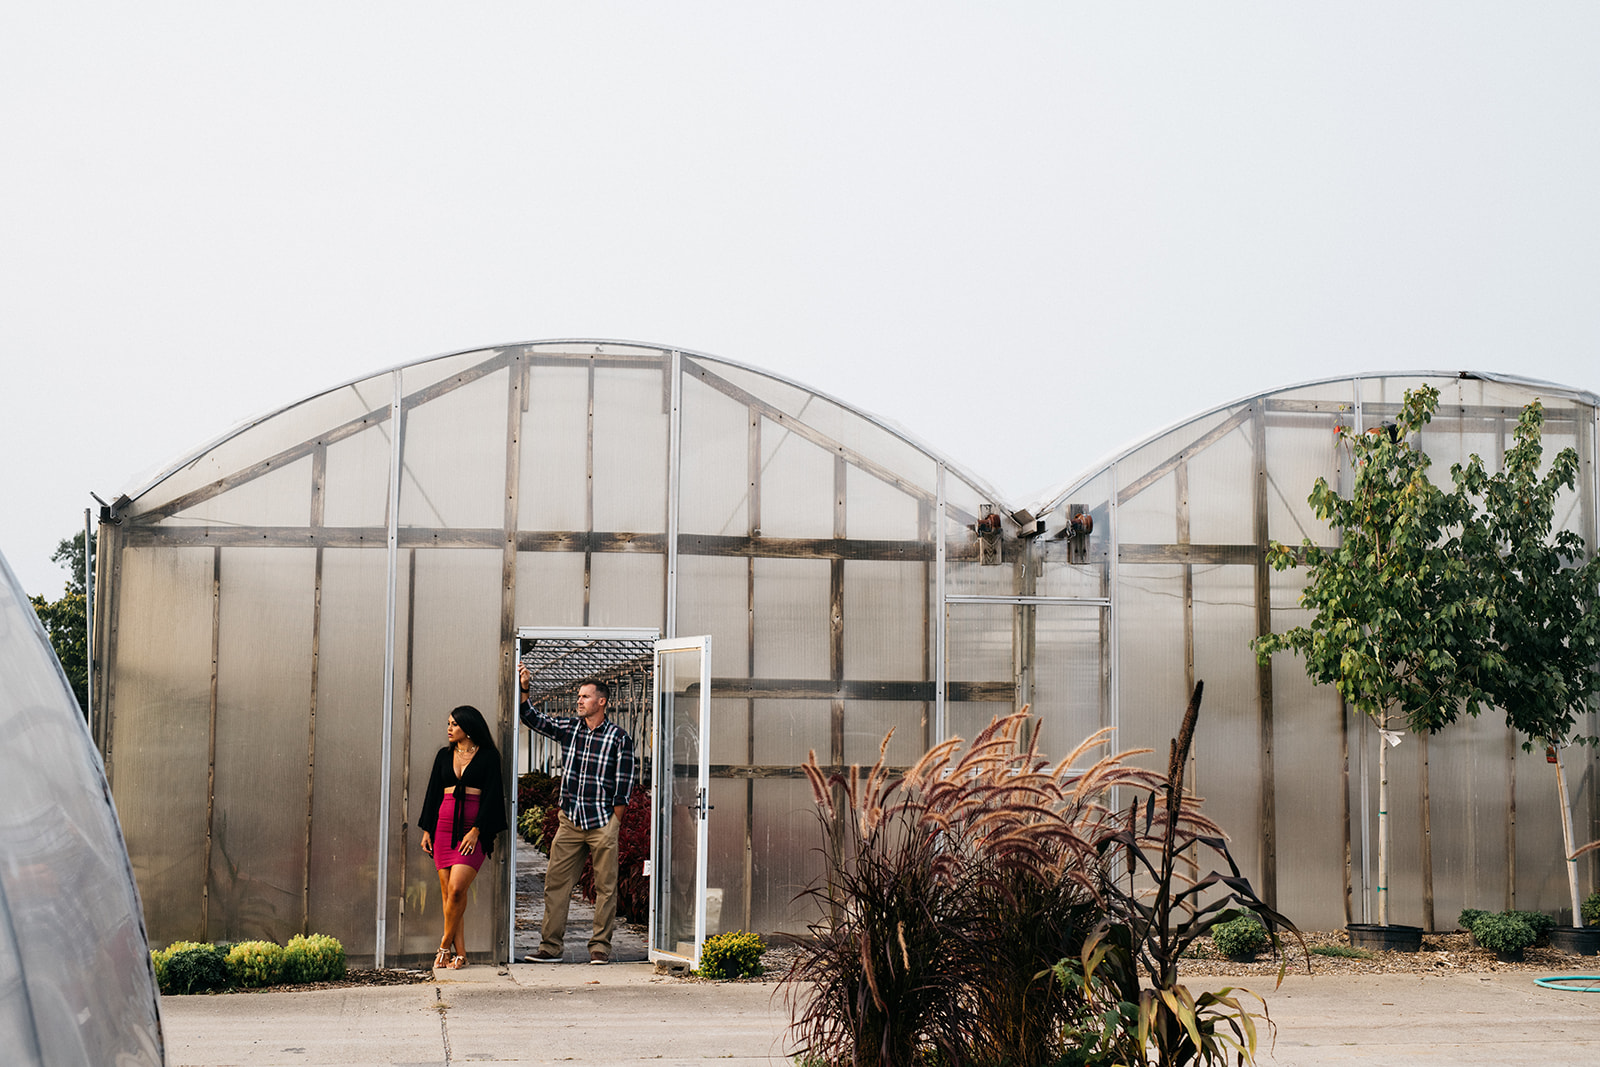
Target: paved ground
627 941
626 1014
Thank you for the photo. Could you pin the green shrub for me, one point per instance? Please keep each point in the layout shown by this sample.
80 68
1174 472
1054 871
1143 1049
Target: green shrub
1540 923
1469 916
1591 909
256 963
1505 931
196 969
530 824
1343 952
735 954
318 958
1240 938
160 956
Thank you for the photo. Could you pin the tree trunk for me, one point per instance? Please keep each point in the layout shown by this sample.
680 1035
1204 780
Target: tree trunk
1566 838
1383 824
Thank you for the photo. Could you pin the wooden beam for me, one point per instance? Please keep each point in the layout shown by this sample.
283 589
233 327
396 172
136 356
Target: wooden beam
1192 555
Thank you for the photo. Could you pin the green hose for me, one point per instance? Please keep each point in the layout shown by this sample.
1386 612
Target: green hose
1559 981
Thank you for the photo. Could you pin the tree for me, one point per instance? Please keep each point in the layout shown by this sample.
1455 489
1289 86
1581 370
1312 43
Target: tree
1543 608
1397 625
66 620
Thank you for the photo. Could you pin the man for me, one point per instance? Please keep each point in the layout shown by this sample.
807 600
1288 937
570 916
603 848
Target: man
596 779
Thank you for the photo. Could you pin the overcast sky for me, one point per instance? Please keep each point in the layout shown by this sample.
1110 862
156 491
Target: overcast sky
1029 232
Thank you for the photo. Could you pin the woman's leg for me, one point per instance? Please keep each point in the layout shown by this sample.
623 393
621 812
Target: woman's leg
444 901
455 907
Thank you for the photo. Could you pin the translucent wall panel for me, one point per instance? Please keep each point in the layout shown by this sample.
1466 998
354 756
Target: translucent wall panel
161 730
888 621
714 479
1150 516
786 731
1070 683
866 722
1149 618
279 497
630 450
627 589
787 839
876 510
554 474
455 656
355 487
1222 489
550 588
1469 780
729 743
349 736
454 457
714 598
978 658
792 618
1300 449
258 850
727 856
797 485
288 431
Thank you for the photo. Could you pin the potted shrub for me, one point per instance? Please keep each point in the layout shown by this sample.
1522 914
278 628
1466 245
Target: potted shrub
1581 940
1505 933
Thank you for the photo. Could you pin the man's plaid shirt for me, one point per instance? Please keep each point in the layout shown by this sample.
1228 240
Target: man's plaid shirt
599 765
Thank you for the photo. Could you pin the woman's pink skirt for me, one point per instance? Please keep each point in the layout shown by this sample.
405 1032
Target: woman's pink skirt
445 855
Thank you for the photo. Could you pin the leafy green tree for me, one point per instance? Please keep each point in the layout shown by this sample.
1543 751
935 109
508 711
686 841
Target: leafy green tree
66 620
1543 607
1397 626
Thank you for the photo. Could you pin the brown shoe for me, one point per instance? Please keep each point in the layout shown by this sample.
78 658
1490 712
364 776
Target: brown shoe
598 958
543 957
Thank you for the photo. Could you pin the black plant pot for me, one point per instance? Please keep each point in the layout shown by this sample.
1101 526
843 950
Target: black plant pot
1512 955
1579 941
1392 938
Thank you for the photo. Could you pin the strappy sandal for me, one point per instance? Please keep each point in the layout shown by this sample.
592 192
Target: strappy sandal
457 962
442 959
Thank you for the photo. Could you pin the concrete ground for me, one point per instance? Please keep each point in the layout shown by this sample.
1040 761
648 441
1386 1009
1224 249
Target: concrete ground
625 1013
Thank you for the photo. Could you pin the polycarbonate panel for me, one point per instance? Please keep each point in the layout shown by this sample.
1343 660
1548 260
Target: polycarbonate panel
868 722
157 757
550 588
728 857
430 372
1300 449
888 621
1309 782
978 643
258 829
966 718
850 428
453 463
630 450
280 497
797 485
75 980
792 618
788 854
714 472
1469 780
1228 761
714 598
554 473
293 428
355 487
1070 684
455 659
1149 618
1150 516
349 733
788 731
627 589
1222 489
876 510
729 743
1541 866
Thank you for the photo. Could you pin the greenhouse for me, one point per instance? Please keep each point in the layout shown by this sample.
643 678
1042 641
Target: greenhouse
286 617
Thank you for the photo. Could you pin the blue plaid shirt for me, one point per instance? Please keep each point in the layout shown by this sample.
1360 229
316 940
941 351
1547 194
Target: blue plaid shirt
599 765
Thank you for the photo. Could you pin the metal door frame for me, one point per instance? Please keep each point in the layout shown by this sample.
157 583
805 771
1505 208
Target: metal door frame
701 644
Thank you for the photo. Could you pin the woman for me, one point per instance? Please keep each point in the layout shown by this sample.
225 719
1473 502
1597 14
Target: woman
462 812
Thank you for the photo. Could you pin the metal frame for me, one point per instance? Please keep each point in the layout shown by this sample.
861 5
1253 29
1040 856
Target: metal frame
701 644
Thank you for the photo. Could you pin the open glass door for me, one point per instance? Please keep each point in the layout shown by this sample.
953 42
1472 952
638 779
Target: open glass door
680 785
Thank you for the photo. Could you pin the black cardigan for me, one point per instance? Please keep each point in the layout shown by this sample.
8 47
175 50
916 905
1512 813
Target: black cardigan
483 773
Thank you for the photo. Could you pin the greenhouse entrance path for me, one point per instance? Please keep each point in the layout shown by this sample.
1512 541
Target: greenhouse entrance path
627 940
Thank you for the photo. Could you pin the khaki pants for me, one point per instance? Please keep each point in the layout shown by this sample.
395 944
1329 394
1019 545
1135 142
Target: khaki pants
567 851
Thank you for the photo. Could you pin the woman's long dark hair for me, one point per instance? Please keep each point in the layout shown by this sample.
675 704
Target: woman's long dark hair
470 719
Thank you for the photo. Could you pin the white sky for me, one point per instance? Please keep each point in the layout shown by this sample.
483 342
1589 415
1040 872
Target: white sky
1027 232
